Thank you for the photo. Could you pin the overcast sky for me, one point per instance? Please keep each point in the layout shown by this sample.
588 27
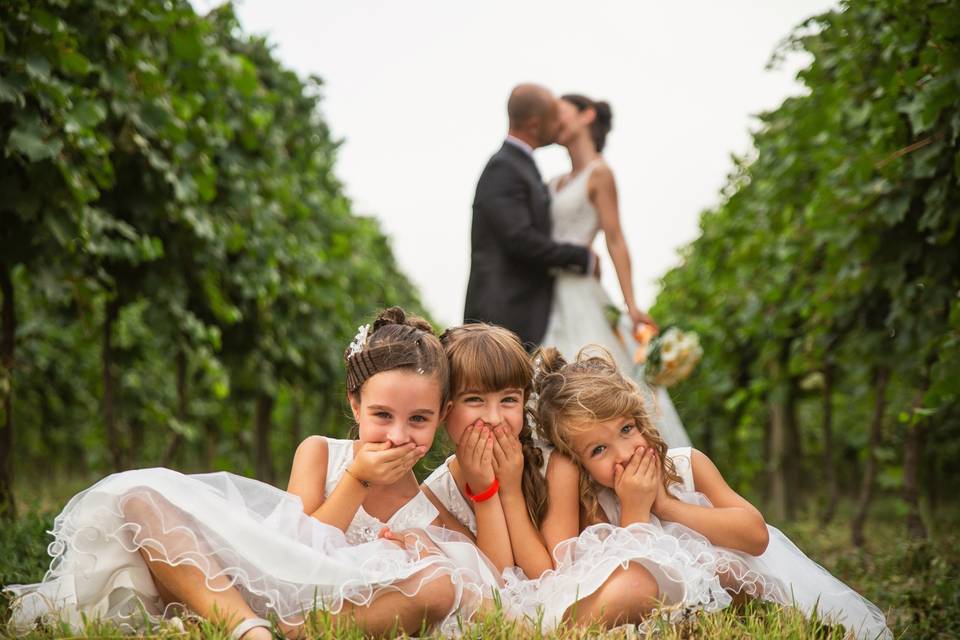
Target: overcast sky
417 92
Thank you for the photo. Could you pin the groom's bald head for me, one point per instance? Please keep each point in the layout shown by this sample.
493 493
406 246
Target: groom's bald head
532 110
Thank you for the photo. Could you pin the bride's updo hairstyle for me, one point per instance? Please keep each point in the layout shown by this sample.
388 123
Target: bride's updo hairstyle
602 123
396 341
571 397
486 357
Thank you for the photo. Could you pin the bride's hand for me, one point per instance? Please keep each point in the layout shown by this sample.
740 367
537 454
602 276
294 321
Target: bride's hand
638 318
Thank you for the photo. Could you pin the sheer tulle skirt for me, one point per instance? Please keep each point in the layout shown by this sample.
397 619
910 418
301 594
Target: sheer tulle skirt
683 566
239 533
692 574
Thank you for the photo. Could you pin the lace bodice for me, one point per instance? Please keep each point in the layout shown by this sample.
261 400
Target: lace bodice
681 461
442 484
574 217
415 514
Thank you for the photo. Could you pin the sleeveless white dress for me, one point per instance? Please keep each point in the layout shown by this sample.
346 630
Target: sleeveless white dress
238 532
782 574
691 572
577 317
584 563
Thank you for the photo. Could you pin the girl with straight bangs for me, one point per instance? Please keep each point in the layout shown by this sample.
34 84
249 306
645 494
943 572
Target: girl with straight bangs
617 494
494 488
491 488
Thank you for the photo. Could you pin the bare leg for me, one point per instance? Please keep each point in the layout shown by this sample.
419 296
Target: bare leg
185 583
393 612
218 601
626 597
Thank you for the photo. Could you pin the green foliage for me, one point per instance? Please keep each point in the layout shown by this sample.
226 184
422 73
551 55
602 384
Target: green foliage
835 252
179 244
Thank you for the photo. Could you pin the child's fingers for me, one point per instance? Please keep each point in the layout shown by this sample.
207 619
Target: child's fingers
644 467
617 474
396 453
477 443
411 458
512 443
466 434
486 456
468 438
499 452
634 463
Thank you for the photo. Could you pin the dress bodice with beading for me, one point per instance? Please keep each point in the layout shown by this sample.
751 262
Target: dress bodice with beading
415 514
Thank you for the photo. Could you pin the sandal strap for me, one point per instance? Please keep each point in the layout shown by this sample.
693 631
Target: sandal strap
250 623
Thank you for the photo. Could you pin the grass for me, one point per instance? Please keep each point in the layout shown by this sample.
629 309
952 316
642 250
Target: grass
917 584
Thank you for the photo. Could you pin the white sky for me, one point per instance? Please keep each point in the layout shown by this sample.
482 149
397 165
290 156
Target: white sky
417 90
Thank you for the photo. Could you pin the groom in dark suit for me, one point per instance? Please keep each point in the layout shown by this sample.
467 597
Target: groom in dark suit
512 254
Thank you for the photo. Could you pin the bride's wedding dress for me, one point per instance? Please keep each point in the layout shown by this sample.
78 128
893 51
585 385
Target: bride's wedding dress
578 318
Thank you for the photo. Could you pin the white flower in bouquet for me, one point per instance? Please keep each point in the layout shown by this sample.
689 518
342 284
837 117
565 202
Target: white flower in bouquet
673 357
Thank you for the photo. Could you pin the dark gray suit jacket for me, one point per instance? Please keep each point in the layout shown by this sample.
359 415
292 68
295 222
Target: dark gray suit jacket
511 249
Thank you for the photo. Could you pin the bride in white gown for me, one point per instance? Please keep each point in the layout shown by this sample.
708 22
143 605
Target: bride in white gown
584 202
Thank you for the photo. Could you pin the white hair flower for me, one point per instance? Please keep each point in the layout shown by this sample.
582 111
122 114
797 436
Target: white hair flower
359 341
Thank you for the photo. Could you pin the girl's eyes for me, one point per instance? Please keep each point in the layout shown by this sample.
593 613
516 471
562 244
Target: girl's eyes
383 415
626 428
597 450
510 399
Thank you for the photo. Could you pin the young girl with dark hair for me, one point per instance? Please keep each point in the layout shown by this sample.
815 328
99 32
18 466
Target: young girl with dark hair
352 535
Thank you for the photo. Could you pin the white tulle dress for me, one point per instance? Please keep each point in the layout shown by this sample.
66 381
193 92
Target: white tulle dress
691 572
577 317
240 532
782 574
584 563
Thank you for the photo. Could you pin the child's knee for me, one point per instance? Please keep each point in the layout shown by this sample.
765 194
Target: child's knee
636 580
438 597
629 594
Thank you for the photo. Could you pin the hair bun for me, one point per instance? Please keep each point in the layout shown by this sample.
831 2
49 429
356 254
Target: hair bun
397 316
546 360
604 113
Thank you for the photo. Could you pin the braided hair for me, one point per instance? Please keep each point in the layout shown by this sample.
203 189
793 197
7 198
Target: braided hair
489 358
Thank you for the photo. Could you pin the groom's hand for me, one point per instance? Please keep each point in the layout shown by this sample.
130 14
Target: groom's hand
595 261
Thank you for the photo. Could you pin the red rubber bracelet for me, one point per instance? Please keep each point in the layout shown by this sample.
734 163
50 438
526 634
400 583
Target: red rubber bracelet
486 494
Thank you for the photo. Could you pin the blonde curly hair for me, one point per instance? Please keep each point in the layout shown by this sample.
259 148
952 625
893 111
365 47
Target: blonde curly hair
571 397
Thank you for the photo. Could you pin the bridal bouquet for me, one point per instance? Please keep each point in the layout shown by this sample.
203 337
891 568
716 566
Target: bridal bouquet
671 357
